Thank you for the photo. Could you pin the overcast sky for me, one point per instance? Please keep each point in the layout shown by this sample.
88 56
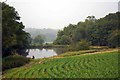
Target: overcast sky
59 13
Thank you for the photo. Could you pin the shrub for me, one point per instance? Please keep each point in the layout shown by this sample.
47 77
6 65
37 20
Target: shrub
83 45
71 48
113 39
14 61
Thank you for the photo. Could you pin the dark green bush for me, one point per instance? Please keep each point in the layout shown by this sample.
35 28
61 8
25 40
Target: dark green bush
83 45
14 61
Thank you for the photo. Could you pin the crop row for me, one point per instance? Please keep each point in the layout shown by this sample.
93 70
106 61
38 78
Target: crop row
88 66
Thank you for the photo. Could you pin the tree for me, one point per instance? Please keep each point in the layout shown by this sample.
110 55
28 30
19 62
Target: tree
100 32
14 38
91 18
114 39
83 45
66 36
38 40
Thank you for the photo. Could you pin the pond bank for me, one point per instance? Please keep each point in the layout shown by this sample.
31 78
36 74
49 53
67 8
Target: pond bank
47 46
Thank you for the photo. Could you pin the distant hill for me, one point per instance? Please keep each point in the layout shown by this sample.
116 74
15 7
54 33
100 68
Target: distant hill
49 34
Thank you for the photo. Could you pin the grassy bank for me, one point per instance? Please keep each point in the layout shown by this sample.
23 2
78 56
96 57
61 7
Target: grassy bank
89 65
48 46
14 61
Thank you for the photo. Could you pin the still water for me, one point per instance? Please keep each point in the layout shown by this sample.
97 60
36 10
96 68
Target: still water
44 53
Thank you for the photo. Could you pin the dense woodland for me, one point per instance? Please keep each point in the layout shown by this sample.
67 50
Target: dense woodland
101 32
14 38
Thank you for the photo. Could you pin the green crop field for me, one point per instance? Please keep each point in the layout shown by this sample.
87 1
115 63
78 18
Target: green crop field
104 65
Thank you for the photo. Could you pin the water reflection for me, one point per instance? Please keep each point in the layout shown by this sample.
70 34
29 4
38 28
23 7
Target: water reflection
44 53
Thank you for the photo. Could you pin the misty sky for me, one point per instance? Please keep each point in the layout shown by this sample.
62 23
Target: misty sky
59 13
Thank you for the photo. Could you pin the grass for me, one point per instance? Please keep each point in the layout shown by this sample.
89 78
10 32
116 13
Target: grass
104 65
78 53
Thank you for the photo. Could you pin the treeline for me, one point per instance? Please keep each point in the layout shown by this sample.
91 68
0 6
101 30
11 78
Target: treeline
101 32
38 40
14 39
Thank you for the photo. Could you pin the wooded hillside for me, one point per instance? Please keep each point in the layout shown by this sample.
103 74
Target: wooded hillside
102 32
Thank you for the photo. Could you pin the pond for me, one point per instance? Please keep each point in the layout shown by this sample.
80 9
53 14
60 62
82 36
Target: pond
44 53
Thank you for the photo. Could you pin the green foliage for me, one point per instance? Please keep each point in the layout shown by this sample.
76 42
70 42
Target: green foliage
114 38
91 18
63 40
100 32
83 45
103 65
14 38
38 40
14 61
66 36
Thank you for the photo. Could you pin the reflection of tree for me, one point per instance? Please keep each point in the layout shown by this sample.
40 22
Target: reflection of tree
46 49
34 49
23 52
40 49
